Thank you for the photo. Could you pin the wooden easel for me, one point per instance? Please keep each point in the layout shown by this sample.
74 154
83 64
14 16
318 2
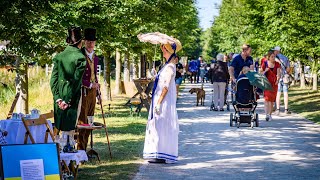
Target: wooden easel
14 103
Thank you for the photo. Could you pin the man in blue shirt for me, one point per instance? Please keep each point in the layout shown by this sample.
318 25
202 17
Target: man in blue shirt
199 61
193 69
243 59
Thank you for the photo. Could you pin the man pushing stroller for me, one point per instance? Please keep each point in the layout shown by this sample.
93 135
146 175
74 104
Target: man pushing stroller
240 61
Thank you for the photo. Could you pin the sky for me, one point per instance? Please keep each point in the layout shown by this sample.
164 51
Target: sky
207 11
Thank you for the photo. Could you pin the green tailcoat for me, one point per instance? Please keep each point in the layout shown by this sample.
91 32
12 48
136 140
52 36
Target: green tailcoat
66 80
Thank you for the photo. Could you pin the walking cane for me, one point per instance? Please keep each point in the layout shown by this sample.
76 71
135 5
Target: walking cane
104 121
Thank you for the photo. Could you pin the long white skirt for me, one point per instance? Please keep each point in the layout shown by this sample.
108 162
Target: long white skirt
161 140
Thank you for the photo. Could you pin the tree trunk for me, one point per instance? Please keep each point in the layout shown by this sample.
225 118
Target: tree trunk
134 67
117 89
314 75
143 66
106 75
294 81
126 68
149 68
139 66
314 81
131 71
302 77
22 87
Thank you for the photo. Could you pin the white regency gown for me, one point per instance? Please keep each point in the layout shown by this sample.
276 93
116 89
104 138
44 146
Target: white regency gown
161 140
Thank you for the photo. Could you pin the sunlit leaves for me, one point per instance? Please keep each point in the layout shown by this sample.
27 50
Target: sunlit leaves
291 24
37 28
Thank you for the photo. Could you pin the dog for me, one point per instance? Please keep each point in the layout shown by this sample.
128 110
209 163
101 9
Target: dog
201 94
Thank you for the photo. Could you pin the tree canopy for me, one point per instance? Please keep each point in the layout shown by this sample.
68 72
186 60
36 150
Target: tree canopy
37 29
291 24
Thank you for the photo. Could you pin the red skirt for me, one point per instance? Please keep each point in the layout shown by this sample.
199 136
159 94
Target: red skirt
271 95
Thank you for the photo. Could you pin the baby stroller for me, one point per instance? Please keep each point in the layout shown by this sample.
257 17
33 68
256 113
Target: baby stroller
245 104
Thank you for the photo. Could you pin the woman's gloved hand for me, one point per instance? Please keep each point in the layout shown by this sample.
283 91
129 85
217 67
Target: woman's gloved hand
157 109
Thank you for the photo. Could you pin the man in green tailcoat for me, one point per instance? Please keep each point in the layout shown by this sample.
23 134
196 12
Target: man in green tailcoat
66 80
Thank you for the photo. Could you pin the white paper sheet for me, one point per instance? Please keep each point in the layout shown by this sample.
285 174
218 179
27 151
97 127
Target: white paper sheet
32 169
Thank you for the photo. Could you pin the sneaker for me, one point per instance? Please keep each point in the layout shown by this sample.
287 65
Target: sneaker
215 109
277 112
287 111
221 109
267 117
270 118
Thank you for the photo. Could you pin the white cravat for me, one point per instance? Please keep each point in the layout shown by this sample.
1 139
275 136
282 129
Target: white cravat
90 55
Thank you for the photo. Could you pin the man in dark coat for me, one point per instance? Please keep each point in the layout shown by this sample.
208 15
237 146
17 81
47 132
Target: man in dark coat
89 85
66 80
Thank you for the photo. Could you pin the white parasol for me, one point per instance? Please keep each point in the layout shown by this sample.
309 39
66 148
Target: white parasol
156 38
159 38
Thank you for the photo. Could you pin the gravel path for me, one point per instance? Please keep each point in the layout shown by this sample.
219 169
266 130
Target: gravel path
286 148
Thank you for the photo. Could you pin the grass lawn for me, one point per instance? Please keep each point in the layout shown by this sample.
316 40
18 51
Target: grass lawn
305 102
126 134
126 131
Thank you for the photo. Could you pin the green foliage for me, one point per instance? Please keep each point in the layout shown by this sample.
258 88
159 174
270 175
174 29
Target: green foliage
37 29
291 24
21 24
208 49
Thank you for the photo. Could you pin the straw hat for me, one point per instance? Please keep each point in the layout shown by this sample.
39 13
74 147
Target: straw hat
176 45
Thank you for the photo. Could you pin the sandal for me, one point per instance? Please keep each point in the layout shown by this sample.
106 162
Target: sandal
286 111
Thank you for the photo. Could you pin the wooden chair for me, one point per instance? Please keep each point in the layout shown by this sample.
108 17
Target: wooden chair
14 103
48 115
42 120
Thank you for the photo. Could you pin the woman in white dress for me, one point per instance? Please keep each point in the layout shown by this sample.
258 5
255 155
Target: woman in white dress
161 141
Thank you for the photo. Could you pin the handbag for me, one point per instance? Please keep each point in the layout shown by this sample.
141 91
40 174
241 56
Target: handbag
287 78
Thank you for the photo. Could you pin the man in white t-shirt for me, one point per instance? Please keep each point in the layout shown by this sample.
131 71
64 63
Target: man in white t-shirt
282 87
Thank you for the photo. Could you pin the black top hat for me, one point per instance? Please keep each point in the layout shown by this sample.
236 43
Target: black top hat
90 34
74 35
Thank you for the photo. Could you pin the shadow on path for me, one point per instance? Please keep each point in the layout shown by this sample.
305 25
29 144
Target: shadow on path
286 148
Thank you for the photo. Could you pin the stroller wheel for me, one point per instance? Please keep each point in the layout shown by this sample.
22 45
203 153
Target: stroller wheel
212 106
257 120
231 119
238 123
